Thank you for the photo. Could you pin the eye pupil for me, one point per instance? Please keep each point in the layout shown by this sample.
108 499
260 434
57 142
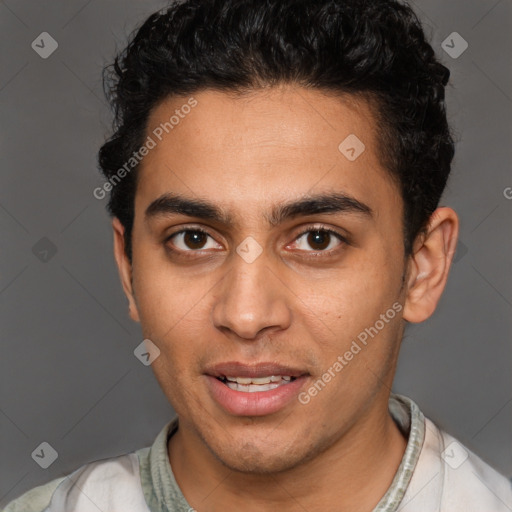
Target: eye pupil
321 238
194 239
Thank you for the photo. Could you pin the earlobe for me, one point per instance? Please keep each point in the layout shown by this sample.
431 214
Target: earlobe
124 267
429 265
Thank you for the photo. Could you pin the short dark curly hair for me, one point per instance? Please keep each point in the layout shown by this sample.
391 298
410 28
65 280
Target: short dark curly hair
373 48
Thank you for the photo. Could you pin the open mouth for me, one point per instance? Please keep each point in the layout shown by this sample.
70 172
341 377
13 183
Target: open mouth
255 384
254 389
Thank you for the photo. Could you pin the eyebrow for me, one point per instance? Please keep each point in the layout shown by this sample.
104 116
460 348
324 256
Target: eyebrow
333 203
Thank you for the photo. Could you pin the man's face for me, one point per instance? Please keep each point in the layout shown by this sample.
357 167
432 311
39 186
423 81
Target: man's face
254 296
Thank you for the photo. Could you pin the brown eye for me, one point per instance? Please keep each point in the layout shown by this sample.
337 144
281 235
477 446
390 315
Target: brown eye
190 240
318 240
194 239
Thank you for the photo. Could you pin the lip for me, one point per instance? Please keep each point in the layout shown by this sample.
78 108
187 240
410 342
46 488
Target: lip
262 369
259 403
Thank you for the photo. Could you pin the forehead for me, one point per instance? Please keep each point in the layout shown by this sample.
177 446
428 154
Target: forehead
267 146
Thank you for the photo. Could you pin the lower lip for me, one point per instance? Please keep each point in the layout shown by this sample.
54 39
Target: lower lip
258 403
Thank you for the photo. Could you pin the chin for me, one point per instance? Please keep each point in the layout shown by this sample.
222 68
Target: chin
253 461
262 456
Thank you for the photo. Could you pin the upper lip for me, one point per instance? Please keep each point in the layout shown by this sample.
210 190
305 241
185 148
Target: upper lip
262 369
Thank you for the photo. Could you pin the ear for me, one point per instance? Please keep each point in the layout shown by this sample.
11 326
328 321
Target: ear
125 268
429 265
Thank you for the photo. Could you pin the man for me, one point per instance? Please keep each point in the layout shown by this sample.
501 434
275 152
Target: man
274 179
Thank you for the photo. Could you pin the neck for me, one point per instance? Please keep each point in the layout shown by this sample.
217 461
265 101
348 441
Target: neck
354 472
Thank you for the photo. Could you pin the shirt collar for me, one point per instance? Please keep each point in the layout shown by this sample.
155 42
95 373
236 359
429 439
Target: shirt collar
411 422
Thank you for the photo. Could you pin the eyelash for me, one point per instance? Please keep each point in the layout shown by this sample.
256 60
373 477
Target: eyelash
309 229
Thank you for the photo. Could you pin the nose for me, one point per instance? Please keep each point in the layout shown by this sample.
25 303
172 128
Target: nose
251 299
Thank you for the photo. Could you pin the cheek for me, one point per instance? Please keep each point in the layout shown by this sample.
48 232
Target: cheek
352 299
175 323
175 312
163 296
162 311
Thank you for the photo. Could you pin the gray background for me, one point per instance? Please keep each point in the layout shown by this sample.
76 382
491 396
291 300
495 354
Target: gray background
68 373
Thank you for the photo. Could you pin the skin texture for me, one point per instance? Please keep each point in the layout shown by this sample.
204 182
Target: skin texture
293 305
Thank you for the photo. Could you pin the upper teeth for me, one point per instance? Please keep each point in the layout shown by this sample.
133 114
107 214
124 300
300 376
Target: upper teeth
259 380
